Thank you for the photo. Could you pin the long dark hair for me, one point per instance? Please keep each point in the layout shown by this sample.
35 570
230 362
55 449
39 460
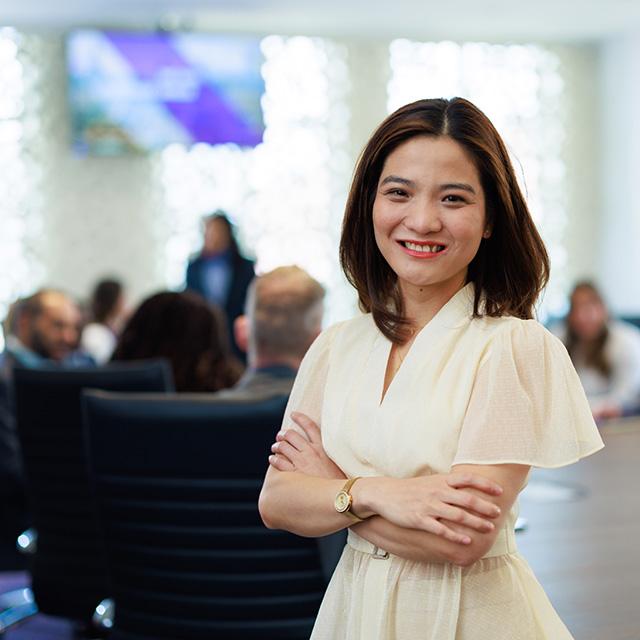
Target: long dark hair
190 333
104 299
593 352
510 268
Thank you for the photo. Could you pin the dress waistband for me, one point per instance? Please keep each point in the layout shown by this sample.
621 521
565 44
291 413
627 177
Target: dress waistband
505 543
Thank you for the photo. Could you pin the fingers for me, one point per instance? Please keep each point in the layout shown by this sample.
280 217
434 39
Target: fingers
460 516
293 438
472 481
439 529
281 463
284 448
473 503
311 429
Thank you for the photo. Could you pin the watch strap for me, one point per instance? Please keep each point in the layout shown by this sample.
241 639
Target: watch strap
347 489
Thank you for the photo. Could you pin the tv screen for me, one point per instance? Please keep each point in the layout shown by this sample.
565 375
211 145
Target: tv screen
138 92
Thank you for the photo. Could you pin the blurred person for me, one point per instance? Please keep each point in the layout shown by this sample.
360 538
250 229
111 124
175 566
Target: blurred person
42 329
604 351
190 333
283 317
100 335
218 272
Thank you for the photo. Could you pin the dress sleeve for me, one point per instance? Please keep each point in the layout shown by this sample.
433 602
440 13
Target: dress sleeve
307 393
527 405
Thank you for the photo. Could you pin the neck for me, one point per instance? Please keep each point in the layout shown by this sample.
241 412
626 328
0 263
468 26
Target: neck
421 304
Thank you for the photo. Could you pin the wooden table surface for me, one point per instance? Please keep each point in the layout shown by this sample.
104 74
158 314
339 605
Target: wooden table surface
585 549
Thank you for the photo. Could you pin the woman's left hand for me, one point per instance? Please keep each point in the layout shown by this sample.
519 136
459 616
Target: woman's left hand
294 452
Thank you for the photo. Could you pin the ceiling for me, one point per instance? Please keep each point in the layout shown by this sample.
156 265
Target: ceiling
493 20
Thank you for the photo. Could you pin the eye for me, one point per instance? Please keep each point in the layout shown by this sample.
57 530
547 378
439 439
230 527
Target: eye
454 198
396 192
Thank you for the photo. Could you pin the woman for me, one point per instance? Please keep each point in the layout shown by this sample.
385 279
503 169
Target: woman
188 332
606 353
438 401
99 336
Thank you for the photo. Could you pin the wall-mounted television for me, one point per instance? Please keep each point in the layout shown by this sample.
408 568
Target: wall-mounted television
138 92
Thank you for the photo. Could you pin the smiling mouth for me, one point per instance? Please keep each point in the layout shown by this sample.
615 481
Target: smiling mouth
423 248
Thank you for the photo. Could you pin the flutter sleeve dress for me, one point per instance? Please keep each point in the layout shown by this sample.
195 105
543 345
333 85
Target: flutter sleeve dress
469 391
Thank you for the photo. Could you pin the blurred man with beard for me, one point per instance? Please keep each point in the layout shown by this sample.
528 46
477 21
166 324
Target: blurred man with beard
42 329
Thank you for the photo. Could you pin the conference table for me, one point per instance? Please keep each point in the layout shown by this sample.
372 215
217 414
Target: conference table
582 536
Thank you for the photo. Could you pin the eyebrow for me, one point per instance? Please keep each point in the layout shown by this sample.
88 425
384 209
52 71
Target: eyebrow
462 186
392 178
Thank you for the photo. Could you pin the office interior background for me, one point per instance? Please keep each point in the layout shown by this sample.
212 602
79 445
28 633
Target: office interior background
559 80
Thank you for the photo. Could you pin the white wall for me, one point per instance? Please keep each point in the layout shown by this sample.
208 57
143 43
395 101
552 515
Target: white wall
101 214
582 161
616 252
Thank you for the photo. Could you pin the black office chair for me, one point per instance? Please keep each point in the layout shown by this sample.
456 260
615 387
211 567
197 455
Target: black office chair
68 569
177 480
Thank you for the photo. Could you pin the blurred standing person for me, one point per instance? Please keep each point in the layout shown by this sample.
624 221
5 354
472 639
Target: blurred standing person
604 351
218 272
190 333
99 337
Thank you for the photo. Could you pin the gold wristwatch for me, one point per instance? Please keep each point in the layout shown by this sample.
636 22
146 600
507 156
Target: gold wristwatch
344 500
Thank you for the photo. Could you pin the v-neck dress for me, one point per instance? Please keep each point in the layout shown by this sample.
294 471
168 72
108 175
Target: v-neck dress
469 391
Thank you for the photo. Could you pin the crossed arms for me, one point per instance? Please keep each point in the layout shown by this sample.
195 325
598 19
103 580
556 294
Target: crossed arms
453 517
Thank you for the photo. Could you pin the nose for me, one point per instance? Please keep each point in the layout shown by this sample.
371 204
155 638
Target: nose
423 218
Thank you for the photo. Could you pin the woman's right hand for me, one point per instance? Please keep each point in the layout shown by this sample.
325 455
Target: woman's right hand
425 502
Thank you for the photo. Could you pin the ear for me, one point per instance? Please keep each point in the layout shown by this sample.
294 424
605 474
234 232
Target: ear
241 332
487 231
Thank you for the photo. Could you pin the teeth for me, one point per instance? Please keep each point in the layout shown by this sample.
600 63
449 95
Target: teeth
424 248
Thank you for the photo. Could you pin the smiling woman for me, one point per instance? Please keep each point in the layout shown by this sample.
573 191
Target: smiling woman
429 215
416 424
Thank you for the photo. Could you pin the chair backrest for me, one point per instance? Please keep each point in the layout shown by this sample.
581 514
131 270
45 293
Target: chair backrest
68 570
177 481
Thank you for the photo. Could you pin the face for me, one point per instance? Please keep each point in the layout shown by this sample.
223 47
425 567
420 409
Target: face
54 332
216 236
588 315
429 213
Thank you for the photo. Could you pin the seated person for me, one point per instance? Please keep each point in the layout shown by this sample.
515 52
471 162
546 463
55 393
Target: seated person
605 353
283 317
190 333
100 335
42 329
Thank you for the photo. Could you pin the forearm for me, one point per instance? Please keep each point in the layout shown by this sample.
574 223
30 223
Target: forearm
301 504
411 544
424 546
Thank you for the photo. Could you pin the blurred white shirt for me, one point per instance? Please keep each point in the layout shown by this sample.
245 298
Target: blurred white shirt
98 341
622 350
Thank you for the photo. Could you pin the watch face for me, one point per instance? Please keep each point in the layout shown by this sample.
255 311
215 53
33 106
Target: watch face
343 501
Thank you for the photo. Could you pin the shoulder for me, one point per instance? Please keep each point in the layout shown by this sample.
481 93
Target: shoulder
346 332
624 340
624 331
344 328
527 339
240 262
195 259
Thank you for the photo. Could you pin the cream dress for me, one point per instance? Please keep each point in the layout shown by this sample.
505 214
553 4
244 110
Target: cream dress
472 391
